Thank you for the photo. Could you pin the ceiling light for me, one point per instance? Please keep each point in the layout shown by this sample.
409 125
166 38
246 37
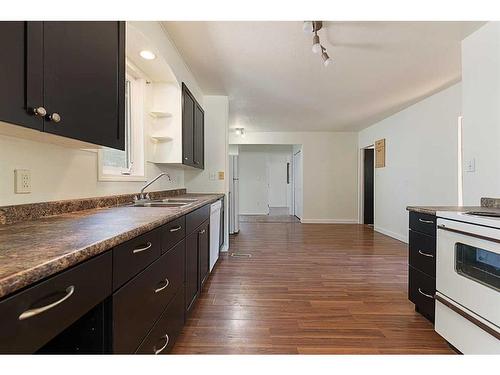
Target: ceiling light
316 44
327 60
307 27
147 55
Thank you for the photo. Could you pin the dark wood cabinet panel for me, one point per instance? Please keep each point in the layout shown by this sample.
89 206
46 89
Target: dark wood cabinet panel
162 337
33 317
422 252
188 112
84 80
71 73
140 302
421 290
21 72
196 218
203 253
193 130
199 137
192 273
133 256
423 223
172 233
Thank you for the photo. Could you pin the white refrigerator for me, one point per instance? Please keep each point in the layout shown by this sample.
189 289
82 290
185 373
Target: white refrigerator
234 211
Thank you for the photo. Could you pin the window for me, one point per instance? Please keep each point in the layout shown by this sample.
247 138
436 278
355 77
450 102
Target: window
128 165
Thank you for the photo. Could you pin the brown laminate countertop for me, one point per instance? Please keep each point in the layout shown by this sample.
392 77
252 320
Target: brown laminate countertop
33 250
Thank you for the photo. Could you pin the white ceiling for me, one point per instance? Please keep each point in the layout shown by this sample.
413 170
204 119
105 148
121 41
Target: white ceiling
275 82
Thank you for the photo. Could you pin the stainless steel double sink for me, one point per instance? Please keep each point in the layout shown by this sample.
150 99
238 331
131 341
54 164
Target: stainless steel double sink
167 202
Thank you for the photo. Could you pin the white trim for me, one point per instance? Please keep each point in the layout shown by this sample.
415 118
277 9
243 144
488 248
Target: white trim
397 236
329 221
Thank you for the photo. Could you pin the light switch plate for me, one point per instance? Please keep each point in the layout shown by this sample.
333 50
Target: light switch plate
211 176
22 181
221 175
470 165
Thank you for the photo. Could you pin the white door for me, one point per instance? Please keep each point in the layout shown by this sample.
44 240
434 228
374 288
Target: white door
297 184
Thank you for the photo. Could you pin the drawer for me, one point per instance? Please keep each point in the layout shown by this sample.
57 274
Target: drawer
140 302
133 256
33 317
421 290
422 252
196 218
172 233
162 337
423 223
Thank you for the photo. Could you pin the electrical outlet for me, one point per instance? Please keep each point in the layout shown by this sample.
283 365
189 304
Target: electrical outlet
470 165
221 175
22 181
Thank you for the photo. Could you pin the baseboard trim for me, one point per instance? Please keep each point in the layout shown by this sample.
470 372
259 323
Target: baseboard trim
329 221
392 234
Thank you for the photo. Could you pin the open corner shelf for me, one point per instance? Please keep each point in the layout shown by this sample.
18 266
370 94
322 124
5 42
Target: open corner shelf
160 114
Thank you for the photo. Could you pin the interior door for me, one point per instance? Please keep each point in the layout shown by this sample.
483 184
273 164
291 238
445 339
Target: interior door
188 105
199 147
297 184
21 72
84 81
368 181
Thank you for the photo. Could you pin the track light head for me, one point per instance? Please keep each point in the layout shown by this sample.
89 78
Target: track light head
327 60
316 48
308 27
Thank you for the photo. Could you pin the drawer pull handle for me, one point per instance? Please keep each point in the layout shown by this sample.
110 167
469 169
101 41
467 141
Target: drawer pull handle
426 221
140 249
425 254
164 346
202 231
32 312
425 294
175 229
167 282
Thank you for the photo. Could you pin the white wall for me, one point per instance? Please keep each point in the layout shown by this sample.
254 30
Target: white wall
421 159
262 173
481 111
329 171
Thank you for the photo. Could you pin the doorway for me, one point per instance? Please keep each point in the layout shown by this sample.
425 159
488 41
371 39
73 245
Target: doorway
297 184
368 185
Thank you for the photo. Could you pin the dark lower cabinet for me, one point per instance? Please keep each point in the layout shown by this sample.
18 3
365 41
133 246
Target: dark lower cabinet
197 262
131 299
422 263
65 78
162 337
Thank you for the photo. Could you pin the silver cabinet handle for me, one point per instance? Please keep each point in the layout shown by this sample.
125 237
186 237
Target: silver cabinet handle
39 111
425 254
164 346
425 294
167 282
175 229
202 231
140 249
32 312
55 117
426 221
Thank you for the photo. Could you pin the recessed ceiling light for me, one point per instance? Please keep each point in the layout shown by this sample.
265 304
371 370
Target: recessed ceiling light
147 55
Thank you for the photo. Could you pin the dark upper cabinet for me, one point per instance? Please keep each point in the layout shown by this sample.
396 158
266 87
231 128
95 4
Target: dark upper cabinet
193 124
21 71
65 78
188 104
199 137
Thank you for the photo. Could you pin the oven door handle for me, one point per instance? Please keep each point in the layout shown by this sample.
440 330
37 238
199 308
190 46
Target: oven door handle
443 227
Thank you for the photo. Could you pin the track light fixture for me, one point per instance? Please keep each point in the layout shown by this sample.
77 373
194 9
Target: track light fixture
313 27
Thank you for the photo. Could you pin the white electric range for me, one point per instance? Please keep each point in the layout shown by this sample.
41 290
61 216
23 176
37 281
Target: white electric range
468 280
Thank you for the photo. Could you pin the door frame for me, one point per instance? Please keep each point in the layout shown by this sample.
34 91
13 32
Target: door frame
361 185
295 180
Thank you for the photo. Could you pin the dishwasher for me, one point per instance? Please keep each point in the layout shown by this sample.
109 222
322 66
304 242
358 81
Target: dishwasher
215 212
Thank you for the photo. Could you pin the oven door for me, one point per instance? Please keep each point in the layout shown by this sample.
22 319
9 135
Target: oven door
468 267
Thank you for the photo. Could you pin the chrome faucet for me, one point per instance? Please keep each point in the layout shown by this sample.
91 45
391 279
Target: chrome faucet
146 196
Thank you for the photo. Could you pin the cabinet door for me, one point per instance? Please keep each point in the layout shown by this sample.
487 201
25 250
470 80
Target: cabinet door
21 72
84 81
199 140
192 282
203 253
188 111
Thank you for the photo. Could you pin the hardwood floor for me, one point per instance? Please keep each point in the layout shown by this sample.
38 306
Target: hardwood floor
268 219
309 289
